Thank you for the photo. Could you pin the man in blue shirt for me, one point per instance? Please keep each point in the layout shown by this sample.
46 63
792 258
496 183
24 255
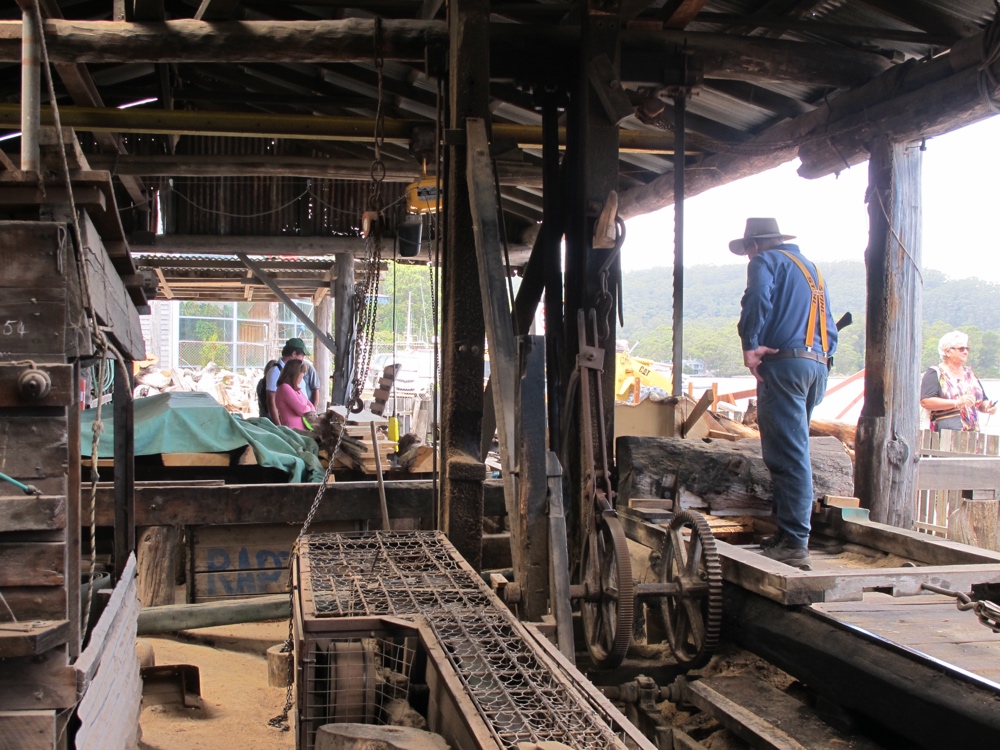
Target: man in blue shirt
789 337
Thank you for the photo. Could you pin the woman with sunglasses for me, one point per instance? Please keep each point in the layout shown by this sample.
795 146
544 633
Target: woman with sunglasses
950 391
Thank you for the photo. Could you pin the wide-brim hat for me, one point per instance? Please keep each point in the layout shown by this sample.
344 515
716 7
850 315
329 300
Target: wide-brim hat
297 343
758 229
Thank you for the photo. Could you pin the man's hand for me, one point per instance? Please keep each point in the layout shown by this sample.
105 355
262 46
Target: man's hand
753 357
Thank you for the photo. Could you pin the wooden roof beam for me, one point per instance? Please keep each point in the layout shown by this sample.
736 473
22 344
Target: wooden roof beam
188 40
225 264
924 99
349 40
210 244
83 91
677 14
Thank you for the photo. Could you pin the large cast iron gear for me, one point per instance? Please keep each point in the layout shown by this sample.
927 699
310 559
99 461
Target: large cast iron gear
608 602
692 617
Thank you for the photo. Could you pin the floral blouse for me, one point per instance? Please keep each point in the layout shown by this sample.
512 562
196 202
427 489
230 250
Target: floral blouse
937 382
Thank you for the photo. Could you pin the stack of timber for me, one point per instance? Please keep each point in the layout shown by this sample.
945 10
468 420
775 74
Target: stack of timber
356 448
413 456
721 478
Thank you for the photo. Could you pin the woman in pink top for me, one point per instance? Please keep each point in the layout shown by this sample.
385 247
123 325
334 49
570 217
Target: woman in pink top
288 399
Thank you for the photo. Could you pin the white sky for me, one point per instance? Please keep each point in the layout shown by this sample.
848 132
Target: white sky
961 212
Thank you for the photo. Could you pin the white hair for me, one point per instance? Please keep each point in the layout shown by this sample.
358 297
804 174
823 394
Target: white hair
950 340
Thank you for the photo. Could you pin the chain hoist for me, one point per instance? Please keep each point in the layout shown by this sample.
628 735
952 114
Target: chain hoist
366 302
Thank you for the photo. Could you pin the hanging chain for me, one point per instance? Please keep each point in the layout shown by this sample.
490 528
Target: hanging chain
366 302
365 307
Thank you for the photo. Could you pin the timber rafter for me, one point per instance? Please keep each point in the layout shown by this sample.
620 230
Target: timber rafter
772 73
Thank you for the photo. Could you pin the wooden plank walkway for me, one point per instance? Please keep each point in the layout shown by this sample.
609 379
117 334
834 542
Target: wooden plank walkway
930 624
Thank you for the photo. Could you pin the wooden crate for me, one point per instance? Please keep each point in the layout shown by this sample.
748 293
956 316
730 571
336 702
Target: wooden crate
244 560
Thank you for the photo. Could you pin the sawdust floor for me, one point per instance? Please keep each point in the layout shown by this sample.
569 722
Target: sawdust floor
237 700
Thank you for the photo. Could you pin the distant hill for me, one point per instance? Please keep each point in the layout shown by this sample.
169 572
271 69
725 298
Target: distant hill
712 307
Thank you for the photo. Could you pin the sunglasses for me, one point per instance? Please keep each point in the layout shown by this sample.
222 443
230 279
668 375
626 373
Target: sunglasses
960 348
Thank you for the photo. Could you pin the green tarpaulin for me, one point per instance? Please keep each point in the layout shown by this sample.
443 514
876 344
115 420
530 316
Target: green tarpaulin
185 422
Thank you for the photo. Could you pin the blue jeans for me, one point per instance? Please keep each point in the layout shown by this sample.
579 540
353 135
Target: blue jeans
785 402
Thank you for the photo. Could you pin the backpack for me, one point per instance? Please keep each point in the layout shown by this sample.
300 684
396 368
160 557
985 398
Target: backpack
262 390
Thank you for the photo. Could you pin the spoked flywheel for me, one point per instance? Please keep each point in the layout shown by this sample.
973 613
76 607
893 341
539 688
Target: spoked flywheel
608 597
692 615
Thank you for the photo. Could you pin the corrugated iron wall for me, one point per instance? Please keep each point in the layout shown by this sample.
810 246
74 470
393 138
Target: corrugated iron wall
268 206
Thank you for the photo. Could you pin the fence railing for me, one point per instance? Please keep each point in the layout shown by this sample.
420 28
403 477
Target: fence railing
935 506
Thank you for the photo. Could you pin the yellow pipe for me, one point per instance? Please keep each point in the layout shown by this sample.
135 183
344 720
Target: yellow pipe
362 129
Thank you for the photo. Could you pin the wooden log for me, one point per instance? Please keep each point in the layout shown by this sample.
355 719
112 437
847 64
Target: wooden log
174 617
843 431
730 478
349 40
886 441
279 666
157 563
976 522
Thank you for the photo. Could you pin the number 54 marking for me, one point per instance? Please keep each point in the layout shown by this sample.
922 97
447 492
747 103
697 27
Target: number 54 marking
12 326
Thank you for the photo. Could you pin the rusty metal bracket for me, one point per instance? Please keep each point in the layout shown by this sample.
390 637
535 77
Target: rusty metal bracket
174 684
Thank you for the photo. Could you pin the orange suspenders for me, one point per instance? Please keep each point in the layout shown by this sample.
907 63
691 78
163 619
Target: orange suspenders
817 307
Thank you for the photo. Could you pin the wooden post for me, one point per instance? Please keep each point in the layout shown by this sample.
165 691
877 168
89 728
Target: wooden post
592 152
976 521
322 315
157 565
463 331
886 444
529 537
343 366
496 309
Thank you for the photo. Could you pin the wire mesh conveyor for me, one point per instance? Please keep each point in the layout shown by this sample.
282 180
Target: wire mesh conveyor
419 574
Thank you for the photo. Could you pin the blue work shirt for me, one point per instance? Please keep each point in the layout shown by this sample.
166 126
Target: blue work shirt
776 304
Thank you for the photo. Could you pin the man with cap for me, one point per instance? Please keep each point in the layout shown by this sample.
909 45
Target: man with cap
789 337
294 348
